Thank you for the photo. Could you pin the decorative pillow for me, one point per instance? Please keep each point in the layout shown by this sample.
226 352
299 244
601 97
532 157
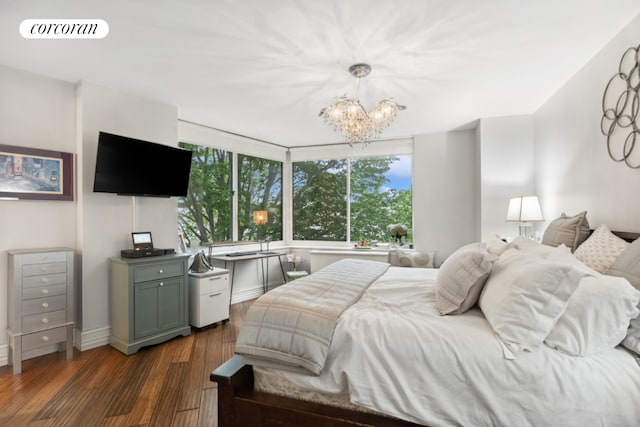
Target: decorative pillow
597 316
415 258
627 264
496 245
531 247
601 249
568 230
524 297
461 278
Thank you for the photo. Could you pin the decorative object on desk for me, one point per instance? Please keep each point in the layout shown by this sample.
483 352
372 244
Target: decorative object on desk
200 263
293 260
524 209
352 120
362 244
30 173
398 231
260 218
620 110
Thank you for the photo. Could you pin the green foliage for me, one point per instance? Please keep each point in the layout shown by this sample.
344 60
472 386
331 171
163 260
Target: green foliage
205 214
319 200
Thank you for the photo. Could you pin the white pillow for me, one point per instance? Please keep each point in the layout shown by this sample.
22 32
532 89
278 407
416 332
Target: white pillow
496 245
597 316
562 254
524 297
601 249
531 247
461 278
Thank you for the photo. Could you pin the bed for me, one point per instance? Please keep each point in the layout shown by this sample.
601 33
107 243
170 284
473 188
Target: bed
404 352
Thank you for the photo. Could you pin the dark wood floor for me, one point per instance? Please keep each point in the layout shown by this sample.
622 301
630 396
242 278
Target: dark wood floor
163 385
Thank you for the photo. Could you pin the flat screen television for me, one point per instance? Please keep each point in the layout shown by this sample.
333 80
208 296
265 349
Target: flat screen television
132 167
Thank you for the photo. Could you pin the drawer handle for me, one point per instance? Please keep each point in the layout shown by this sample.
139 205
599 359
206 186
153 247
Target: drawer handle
45 304
43 269
215 278
160 271
45 280
215 295
45 338
45 291
45 320
161 284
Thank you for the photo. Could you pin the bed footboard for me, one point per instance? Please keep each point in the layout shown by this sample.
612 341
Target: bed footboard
239 405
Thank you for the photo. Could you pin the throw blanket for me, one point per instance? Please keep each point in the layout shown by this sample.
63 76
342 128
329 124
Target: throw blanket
291 326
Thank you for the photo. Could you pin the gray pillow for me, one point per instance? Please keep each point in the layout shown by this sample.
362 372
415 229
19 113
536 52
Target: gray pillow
568 230
627 264
461 279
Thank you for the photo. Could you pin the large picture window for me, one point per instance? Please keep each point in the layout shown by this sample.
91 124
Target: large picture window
376 191
206 215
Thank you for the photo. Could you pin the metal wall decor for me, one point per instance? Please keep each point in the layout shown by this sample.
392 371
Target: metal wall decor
620 110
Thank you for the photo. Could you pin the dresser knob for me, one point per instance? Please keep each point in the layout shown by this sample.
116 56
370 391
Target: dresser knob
45 304
43 269
45 280
161 284
45 320
45 291
160 271
45 338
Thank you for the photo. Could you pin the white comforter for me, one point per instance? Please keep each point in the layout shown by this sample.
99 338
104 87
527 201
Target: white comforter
393 353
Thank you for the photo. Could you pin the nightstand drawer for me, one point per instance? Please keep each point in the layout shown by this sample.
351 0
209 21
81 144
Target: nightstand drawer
42 280
158 271
43 338
44 291
43 320
44 305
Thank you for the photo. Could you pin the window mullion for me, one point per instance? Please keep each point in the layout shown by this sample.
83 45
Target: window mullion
234 198
348 201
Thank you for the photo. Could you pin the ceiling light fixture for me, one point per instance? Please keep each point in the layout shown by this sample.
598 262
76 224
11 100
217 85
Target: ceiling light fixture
352 120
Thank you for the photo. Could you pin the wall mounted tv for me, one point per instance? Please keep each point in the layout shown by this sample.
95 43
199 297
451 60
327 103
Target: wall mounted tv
133 167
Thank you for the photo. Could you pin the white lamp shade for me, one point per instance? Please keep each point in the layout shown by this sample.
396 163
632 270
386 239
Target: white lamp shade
524 209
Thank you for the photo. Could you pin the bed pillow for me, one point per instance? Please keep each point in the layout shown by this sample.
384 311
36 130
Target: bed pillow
531 247
524 297
627 264
496 245
597 316
414 258
568 230
601 249
461 278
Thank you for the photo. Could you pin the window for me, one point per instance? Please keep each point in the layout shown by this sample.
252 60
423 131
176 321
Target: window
259 189
319 200
206 214
379 194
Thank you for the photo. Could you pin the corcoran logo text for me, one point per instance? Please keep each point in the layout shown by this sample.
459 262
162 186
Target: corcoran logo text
64 29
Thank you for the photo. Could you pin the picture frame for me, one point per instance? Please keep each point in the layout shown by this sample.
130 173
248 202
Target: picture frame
34 174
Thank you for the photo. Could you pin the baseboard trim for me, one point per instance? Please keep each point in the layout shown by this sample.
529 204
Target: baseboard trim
86 340
4 354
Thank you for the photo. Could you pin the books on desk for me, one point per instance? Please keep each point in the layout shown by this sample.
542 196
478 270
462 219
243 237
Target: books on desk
234 254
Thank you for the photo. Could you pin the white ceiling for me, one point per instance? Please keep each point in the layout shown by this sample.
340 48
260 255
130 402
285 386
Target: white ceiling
265 68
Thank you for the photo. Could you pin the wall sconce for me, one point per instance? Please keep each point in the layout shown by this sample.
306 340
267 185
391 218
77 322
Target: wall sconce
524 209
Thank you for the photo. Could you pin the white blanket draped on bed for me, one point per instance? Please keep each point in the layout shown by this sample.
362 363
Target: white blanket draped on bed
394 353
291 327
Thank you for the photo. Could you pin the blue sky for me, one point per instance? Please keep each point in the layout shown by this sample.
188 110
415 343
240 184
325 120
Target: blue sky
400 173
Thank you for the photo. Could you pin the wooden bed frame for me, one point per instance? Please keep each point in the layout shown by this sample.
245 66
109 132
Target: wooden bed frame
239 405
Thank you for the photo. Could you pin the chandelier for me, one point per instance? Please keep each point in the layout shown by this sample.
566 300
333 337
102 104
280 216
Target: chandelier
349 117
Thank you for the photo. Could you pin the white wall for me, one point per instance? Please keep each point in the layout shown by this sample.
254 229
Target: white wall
506 170
445 205
573 170
35 112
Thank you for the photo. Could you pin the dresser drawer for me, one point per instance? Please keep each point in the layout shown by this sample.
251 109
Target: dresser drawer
43 338
43 320
42 269
158 271
44 257
44 305
44 291
49 279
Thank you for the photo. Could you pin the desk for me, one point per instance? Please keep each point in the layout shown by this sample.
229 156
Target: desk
262 256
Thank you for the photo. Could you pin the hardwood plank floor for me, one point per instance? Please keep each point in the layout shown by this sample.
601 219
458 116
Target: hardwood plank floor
163 385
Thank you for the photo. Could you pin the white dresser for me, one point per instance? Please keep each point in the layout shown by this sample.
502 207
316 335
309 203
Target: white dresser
40 302
209 297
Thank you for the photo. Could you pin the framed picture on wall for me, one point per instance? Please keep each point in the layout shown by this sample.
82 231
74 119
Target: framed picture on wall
30 173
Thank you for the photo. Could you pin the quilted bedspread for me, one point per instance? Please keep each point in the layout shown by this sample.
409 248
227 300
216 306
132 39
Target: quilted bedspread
291 327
